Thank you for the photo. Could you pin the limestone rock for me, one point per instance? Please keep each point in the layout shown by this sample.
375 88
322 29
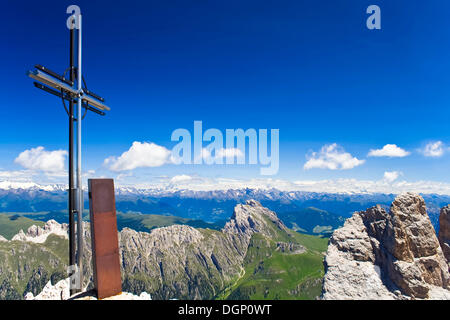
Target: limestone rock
386 255
61 291
252 217
290 248
38 234
444 232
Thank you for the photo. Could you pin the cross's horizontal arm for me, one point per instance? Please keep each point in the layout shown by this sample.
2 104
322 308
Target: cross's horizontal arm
66 97
53 74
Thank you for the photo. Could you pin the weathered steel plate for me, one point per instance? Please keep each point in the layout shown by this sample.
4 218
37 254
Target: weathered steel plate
105 242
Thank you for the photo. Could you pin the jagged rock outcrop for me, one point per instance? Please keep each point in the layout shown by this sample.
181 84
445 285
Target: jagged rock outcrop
444 232
61 291
248 219
38 234
387 255
177 261
289 247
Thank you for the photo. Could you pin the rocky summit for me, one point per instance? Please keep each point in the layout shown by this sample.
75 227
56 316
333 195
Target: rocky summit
389 255
38 234
61 291
444 232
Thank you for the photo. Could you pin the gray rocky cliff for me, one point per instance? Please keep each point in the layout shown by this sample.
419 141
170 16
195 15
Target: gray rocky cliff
387 255
444 232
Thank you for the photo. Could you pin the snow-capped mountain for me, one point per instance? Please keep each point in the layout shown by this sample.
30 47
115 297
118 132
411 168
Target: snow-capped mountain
11 185
208 205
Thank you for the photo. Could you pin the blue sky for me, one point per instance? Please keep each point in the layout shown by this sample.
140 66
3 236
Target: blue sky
308 68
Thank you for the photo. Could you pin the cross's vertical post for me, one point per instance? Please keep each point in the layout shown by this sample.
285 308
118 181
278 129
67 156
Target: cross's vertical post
72 257
79 181
64 88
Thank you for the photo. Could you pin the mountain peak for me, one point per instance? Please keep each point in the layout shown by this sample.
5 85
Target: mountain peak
381 255
253 203
252 217
38 234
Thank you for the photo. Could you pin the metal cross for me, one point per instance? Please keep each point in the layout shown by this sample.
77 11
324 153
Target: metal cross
65 89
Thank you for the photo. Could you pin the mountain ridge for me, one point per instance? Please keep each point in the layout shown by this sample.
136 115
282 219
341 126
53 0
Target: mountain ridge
177 261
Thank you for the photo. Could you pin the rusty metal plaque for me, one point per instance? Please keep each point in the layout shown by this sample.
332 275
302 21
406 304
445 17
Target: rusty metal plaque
105 243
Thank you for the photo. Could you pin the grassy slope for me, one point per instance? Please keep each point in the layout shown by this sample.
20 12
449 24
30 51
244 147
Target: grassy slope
12 224
312 221
19 260
271 274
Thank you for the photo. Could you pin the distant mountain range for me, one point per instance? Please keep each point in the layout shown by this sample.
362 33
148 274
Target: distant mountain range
310 212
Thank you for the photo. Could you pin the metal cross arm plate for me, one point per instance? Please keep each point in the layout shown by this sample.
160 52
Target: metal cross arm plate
94 103
51 82
66 97
53 74
92 94
93 109
54 92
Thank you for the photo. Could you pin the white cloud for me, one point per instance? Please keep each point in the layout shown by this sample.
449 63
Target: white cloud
221 154
180 178
229 153
346 186
332 157
88 173
389 150
17 175
391 176
140 154
124 176
39 159
434 149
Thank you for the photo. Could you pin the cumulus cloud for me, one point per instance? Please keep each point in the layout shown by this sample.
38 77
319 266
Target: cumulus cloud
39 159
391 176
389 150
180 178
17 175
124 176
332 157
88 173
434 149
140 154
220 154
